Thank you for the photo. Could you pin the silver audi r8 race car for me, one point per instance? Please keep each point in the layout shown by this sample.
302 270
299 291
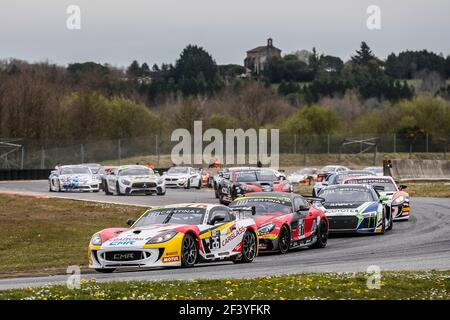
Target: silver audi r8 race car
73 178
134 179
183 177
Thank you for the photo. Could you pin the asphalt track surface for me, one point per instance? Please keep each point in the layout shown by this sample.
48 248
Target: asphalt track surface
422 243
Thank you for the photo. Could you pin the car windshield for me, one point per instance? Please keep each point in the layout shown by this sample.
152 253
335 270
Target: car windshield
387 184
75 170
265 205
251 176
265 175
245 176
346 195
135 172
341 177
328 168
183 215
175 170
306 171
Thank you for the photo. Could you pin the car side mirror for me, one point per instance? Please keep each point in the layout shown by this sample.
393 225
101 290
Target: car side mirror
402 187
218 218
130 222
302 208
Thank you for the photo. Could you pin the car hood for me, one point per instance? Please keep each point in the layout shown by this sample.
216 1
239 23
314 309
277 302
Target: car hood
76 176
176 175
139 178
268 218
138 236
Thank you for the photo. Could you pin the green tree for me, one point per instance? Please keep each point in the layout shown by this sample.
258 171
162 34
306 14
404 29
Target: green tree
196 71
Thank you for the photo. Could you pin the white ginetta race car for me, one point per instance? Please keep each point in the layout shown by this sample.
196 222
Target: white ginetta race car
73 178
126 180
176 235
185 177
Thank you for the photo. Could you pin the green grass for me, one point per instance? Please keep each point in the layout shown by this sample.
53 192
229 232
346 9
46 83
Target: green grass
393 285
44 236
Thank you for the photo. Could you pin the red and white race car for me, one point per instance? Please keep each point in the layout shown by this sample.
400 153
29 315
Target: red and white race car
286 221
176 235
242 182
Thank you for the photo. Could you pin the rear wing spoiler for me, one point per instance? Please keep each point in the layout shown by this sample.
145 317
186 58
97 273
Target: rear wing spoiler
311 199
241 209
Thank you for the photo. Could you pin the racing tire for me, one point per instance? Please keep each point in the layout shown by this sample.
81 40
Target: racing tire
284 240
249 248
221 201
118 189
50 187
189 251
391 222
199 184
106 189
161 193
383 225
59 187
322 236
188 185
216 191
109 270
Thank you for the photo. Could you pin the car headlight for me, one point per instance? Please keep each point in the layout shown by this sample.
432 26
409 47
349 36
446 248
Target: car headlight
267 228
96 239
370 214
160 181
162 237
399 200
246 188
126 182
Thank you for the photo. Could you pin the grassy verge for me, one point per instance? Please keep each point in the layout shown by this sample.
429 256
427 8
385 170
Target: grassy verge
415 189
44 236
393 285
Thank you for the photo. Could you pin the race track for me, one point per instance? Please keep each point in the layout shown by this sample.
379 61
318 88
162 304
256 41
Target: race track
423 243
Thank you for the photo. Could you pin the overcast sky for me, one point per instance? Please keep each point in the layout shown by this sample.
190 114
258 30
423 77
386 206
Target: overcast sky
155 31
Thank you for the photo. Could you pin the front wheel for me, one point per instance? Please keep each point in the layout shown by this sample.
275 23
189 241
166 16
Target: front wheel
189 251
188 184
322 236
284 240
249 248
118 189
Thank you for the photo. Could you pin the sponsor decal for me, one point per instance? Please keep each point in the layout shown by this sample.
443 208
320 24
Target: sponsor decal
124 242
232 236
171 259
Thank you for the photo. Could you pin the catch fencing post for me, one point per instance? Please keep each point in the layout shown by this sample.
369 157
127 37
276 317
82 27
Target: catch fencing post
119 151
395 143
82 153
22 157
295 144
42 158
328 144
427 142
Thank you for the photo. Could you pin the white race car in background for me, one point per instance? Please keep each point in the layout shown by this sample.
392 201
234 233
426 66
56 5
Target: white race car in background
73 178
126 180
185 177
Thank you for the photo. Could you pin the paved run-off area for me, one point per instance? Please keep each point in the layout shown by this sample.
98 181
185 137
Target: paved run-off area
423 243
